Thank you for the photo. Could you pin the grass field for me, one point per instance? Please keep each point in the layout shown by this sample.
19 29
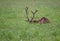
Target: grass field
13 26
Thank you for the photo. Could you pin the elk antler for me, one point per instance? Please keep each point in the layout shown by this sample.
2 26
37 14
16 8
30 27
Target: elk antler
33 12
33 15
26 9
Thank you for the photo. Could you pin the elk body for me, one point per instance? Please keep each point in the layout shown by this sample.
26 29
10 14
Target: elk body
41 20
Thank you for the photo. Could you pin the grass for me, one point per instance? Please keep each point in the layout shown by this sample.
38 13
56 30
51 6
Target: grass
13 26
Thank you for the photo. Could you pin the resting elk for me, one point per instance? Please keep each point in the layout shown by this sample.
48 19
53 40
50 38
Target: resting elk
41 20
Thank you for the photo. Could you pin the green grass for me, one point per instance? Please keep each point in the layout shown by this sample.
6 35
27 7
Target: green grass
13 26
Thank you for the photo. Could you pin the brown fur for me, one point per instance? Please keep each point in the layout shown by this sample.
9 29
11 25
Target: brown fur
42 20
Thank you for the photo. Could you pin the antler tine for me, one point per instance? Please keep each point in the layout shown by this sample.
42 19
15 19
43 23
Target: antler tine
35 11
32 12
26 8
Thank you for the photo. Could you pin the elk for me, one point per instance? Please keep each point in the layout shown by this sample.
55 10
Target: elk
41 20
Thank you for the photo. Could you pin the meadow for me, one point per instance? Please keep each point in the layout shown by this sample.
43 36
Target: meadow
13 26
